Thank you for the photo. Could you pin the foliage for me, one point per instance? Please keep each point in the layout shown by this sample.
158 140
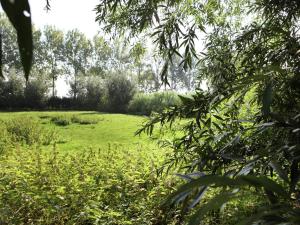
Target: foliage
12 91
111 184
53 44
145 104
65 120
83 121
47 179
61 120
60 103
119 91
259 55
27 131
20 17
35 92
91 92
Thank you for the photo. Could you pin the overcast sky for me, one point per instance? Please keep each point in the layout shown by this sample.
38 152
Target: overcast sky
66 15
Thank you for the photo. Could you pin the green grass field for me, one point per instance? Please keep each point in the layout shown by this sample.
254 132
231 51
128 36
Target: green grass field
109 130
79 168
86 168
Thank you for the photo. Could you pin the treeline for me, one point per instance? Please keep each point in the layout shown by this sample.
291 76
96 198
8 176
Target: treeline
102 74
111 95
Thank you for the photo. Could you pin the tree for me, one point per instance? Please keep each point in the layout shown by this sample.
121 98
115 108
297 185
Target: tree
137 53
101 55
36 90
12 91
77 52
119 91
18 13
254 62
53 43
10 55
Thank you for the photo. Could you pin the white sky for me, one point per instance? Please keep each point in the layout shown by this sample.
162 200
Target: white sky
66 15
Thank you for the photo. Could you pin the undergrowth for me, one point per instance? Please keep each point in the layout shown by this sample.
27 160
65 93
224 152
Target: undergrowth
107 186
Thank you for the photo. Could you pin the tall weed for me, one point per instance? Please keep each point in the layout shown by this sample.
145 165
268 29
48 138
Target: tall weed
28 131
145 104
107 186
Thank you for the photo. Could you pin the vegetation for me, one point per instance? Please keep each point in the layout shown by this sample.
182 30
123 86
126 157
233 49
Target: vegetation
254 63
238 139
108 183
145 104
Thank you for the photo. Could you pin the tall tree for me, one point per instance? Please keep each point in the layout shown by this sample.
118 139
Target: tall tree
10 55
52 45
77 53
101 55
254 60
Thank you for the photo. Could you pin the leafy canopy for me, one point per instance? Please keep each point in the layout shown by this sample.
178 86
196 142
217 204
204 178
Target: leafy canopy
245 128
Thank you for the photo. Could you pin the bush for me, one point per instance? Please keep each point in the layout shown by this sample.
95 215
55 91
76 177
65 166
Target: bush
119 92
83 121
144 104
93 92
111 186
12 92
35 93
29 131
61 120
60 103
5 138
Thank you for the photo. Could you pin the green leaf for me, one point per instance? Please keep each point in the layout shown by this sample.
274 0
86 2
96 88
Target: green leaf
267 99
264 182
282 174
213 204
1 74
19 15
200 182
186 99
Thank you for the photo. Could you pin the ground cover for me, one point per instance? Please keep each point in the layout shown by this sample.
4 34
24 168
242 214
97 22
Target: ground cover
87 168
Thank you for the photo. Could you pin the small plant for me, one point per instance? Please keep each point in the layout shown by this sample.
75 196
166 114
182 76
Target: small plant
28 131
145 104
83 121
61 120
109 186
5 138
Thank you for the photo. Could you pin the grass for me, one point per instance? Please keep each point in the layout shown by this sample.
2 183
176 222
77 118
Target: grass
87 168
97 172
90 129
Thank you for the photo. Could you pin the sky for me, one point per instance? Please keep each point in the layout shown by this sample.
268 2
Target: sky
66 15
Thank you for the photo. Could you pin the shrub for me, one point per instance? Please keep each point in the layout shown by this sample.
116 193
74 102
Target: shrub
61 120
28 131
144 104
119 92
35 93
93 93
12 92
5 138
60 103
83 121
109 186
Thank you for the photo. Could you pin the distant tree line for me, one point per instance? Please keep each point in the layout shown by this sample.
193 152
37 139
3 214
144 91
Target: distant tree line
103 74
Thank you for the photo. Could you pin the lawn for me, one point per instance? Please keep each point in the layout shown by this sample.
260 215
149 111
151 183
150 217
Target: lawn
108 130
80 168
86 168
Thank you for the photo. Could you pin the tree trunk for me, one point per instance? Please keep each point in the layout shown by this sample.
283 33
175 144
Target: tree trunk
53 86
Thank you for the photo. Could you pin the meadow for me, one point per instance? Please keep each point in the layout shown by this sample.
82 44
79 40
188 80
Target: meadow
88 168
79 168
